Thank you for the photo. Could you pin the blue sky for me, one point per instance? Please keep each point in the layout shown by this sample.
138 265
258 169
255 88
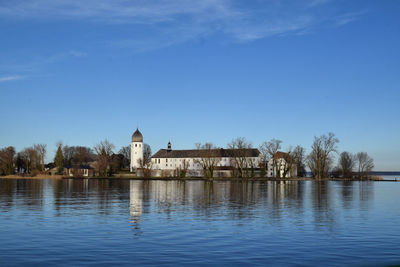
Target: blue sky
195 71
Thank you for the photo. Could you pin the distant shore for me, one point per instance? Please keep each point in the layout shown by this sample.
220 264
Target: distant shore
125 177
32 177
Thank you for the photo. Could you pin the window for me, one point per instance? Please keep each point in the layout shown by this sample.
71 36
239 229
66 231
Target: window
159 160
140 145
135 145
166 160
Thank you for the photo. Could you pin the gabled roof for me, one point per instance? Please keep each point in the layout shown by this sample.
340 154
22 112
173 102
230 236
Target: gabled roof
281 155
201 153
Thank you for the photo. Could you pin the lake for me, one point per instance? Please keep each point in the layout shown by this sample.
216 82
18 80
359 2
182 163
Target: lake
228 223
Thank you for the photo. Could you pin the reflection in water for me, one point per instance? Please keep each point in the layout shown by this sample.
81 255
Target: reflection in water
23 193
347 190
126 222
366 194
136 200
229 199
323 206
242 200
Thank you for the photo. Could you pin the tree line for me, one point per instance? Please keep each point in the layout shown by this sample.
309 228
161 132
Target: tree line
243 164
31 160
320 160
101 157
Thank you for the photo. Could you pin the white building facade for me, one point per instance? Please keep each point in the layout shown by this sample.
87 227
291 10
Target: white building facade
167 162
279 167
136 150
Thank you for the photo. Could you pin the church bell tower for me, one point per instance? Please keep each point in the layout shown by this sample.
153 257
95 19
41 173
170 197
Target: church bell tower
136 150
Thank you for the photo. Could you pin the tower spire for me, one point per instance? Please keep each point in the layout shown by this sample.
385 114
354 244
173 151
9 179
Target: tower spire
169 146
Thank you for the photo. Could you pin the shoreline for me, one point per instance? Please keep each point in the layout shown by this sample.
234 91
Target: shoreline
59 177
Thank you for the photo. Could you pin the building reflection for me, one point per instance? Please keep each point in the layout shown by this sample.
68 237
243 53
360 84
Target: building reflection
235 199
275 202
136 200
283 196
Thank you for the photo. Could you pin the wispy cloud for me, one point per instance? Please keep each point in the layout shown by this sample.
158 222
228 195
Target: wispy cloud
314 3
241 20
10 78
347 18
148 11
30 67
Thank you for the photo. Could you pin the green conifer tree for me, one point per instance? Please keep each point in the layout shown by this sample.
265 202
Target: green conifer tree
59 160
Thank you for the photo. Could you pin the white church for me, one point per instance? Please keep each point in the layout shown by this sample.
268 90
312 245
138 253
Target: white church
166 161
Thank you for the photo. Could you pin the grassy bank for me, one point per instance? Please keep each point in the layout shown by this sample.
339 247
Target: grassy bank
227 179
132 177
32 177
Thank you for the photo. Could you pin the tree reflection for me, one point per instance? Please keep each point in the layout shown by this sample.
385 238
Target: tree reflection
274 202
323 208
24 193
366 193
347 193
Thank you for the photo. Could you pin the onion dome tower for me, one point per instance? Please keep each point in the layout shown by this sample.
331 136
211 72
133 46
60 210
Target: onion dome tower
136 150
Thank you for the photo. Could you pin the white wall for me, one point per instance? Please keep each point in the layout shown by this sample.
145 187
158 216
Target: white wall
281 163
136 154
173 163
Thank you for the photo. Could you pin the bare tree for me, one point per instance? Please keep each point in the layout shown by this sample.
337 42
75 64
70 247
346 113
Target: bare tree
181 170
270 148
145 164
68 154
126 152
346 164
146 152
104 151
239 152
82 155
320 158
116 163
264 156
41 152
7 160
78 155
31 160
20 163
365 164
209 158
252 165
299 155
287 163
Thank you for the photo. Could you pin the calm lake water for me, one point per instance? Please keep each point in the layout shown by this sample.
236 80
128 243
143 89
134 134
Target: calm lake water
109 222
